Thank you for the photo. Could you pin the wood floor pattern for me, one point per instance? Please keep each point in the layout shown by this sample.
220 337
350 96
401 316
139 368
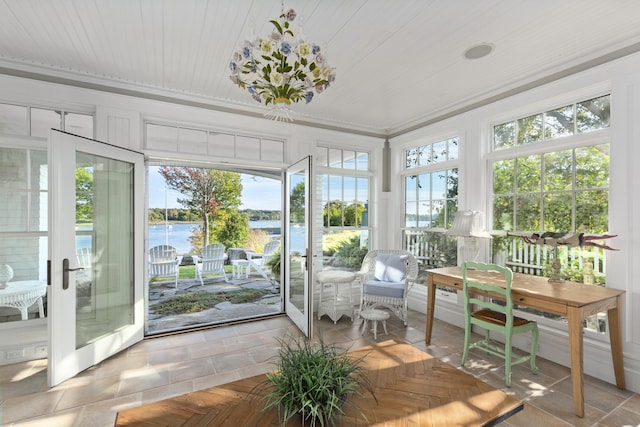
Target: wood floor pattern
412 388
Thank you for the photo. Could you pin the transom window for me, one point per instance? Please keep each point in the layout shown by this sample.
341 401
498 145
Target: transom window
434 152
581 117
32 121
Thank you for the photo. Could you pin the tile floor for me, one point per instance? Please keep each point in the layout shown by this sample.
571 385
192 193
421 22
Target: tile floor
164 367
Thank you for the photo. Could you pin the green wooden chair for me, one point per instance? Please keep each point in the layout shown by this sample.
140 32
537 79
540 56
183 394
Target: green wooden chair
495 316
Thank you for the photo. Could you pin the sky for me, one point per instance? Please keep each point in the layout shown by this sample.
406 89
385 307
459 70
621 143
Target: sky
257 192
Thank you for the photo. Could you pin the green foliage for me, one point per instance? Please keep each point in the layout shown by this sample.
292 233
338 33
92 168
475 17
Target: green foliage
336 211
313 381
231 228
84 195
350 254
194 302
275 263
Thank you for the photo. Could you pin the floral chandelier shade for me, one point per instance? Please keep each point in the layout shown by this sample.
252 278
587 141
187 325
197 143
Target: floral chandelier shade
281 69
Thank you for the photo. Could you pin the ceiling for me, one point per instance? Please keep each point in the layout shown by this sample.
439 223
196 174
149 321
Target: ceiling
399 63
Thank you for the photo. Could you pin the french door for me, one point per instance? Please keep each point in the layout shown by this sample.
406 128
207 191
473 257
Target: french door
96 238
299 266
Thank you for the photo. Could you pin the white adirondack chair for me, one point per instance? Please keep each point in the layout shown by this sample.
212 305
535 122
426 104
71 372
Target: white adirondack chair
163 262
258 262
212 262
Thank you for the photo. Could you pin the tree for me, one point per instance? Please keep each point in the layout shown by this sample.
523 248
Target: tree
231 228
205 191
84 195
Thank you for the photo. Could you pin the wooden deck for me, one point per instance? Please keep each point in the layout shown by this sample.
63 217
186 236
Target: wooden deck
411 387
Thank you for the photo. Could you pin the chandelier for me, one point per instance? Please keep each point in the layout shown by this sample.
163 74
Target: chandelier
281 69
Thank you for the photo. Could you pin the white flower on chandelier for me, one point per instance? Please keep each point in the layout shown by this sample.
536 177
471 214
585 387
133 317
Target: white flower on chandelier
281 69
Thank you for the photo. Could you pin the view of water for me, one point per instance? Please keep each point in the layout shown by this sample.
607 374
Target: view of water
177 235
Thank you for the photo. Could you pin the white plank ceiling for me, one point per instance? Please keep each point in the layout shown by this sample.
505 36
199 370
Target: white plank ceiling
399 63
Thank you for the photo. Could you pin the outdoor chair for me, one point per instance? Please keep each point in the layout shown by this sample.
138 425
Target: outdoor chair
163 262
258 262
211 262
495 316
385 278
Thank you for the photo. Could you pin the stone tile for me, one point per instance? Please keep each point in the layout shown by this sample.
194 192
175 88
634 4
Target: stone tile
136 380
190 369
91 392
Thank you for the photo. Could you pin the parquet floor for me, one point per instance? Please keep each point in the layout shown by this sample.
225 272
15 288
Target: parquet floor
410 388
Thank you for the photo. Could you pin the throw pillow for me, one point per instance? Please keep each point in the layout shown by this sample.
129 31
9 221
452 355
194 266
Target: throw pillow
390 267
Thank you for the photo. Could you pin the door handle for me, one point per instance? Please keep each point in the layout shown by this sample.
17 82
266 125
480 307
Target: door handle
65 273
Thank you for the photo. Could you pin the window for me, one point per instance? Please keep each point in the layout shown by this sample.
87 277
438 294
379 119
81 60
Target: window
31 121
431 201
345 184
581 117
561 185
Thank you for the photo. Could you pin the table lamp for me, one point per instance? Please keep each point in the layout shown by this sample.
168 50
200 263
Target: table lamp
468 224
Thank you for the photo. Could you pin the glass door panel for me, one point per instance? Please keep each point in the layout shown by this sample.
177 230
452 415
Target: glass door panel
298 273
95 282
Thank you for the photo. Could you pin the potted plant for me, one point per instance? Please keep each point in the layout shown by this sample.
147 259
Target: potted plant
313 381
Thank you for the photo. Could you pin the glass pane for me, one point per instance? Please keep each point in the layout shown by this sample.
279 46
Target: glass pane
13 120
558 123
325 200
42 121
503 208
79 124
349 160
162 137
504 176
530 129
424 155
528 213
363 201
452 148
362 161
439 151
439 185
349 199
13 169
27 257
558 171
424 187
14 219
438 213
104 290
344 249
297 185
411 187
335 201
504 135
557 212
452 183
411 158
592 211
593 114
322 156
335 158
411 214
528 174
592 167
424 213
452 208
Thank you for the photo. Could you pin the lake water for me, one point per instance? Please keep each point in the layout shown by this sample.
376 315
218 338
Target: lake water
178 235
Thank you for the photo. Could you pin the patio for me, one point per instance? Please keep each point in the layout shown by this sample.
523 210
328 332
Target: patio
164 290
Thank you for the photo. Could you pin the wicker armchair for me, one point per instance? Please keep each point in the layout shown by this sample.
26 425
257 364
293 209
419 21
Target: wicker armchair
385 278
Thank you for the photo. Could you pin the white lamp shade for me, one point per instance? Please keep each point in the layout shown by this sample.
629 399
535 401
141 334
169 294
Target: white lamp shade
468 223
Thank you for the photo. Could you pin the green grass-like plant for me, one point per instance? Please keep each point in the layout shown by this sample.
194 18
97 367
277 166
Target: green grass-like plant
314 381
194 302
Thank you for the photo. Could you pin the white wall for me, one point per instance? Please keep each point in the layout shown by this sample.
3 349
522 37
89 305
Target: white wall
622 79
